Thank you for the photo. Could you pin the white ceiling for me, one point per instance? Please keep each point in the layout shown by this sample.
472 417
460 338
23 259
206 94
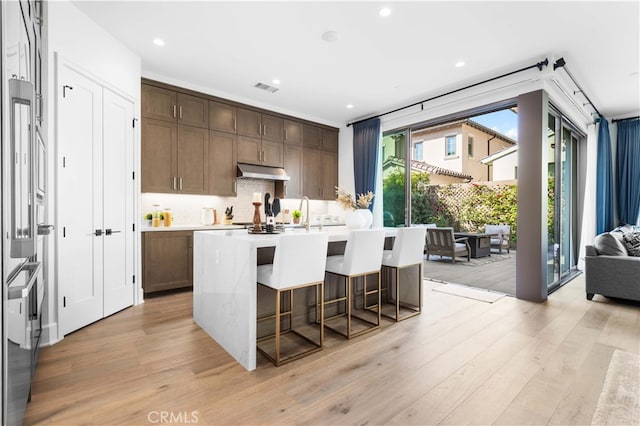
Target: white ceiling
377 64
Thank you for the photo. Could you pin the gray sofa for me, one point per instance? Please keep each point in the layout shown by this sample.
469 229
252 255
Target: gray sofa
610 270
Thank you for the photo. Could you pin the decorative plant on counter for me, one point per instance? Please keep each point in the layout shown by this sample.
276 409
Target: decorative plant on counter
296 215
346 200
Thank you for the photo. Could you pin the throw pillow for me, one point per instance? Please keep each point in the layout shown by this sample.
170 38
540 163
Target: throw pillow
610 245
632 243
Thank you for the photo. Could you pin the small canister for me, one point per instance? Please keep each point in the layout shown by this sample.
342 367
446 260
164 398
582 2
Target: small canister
168 217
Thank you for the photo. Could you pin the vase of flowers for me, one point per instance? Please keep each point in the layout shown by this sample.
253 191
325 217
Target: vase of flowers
360 217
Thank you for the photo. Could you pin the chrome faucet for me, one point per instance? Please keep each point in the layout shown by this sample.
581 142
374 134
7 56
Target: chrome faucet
306 218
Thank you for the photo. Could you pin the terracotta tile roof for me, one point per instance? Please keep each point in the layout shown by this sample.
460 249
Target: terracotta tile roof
421 166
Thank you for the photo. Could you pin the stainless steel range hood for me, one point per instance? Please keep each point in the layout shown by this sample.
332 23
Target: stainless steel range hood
252 171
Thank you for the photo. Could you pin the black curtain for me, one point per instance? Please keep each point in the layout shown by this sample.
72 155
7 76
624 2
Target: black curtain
366 136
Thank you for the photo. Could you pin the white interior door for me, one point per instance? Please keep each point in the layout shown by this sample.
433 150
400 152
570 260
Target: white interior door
118 199
80 250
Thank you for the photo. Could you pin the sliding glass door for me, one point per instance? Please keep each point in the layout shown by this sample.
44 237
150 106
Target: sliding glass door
562 150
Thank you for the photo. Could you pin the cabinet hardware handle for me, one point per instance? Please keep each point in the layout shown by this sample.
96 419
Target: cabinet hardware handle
285 135
180 112
174 111
235 123
264 129
180 183
174 183
109 231
235 186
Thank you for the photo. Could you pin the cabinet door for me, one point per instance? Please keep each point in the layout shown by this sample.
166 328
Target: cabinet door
330 140
159 152
193 160
249 123
158 103
167 260
222 163
249 150
222 117
329 175
311 136
292 132
193 111
293 166
272 153
312 173
272 128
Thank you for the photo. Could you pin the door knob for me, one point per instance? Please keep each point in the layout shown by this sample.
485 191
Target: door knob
98 232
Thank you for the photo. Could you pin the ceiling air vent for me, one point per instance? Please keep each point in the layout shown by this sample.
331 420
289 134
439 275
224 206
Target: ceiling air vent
266 87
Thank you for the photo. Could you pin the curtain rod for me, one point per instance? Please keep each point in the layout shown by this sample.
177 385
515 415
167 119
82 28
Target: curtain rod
625 119
539 65
560 63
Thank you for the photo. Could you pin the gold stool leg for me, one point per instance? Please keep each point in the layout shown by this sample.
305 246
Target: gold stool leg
278 327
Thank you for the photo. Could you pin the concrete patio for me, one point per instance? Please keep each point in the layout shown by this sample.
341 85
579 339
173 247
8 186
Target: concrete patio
496 272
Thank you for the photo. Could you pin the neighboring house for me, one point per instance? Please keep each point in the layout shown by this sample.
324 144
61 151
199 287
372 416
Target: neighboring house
459 146
503 165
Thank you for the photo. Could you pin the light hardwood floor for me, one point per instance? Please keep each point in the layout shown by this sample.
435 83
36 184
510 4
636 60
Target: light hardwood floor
461 362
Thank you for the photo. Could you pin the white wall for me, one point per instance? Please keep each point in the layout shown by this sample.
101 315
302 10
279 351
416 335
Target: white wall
76 38
504 168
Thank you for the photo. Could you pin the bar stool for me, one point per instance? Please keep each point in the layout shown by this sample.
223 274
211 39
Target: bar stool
407 251
298 263
362 257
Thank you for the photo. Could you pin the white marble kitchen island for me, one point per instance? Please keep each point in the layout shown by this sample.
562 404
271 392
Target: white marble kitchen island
225 289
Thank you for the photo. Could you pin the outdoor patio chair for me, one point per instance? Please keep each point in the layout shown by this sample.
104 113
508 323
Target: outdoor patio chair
441 241
501 236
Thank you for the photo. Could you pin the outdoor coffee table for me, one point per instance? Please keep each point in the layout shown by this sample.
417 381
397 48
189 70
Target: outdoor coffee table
479 243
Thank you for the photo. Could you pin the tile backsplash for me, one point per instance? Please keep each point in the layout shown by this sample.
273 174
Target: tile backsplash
187 209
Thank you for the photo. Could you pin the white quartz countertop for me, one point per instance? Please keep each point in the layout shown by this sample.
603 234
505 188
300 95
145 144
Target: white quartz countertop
191 228
336 233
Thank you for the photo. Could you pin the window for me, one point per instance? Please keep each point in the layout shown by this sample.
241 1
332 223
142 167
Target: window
417 155
450 145
470 145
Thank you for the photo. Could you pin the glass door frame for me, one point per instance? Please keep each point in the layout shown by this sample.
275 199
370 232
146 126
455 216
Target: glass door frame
566 231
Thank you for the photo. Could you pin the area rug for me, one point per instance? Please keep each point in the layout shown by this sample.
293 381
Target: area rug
473 262
619 402
469 292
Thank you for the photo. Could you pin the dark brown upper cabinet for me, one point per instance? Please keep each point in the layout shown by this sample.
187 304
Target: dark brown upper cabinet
330 140
258 125
167 105
223 117
311 136
292 132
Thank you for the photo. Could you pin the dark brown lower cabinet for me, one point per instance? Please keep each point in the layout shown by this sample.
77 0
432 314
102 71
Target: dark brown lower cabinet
167 260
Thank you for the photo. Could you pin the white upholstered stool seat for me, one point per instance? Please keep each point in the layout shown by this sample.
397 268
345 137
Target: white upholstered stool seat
362 257
407 252
298 265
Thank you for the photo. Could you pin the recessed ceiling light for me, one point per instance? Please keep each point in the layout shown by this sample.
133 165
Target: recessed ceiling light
330 36
459 64
158 41
349 106
275 81
385 11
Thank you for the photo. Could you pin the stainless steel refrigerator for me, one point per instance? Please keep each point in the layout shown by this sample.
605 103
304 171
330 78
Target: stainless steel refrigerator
23 200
